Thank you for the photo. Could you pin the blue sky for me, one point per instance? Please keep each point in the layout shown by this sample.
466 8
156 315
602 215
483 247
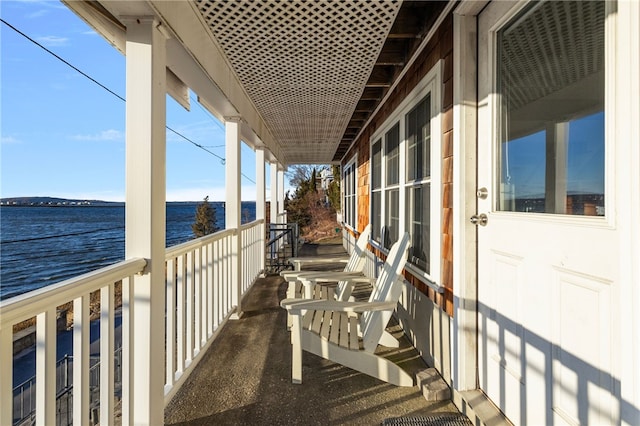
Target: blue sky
63 136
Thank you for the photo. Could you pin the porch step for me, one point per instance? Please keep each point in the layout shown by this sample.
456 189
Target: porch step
433 385
477 407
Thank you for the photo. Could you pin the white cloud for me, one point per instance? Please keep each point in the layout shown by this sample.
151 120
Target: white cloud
9 140
38 14
52 41
105 135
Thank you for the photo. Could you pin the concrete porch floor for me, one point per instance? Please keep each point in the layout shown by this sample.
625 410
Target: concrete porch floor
245 376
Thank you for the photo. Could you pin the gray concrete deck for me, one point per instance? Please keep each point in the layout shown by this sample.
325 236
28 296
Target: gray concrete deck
245 376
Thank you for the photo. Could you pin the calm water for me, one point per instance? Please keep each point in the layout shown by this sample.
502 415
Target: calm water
40 246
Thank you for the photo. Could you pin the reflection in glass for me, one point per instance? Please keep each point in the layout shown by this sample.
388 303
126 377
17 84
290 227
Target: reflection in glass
418 140
550 82
417 219
392 154
376 216
392 225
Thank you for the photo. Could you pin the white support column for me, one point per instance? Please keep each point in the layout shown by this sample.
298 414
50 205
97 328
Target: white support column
233 208
464 339
145 217
274 193
260 202
281 170
622 190
557 143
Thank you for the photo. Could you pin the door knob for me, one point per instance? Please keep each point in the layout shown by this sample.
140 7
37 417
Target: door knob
479 219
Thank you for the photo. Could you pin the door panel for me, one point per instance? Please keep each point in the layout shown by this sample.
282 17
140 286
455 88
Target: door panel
545 256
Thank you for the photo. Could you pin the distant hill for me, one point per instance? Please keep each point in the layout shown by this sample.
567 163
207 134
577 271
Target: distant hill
53 201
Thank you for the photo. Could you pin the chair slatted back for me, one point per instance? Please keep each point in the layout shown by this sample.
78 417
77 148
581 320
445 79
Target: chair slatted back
358 256
356 260
388 288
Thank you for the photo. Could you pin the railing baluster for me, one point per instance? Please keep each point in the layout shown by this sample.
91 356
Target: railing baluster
127 315
189 337
197 302
6 371
107 351
211 297
81 342
170 340
180 313
46 367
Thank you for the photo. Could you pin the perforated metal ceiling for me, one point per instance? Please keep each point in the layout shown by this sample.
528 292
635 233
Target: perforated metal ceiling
303 63
552 46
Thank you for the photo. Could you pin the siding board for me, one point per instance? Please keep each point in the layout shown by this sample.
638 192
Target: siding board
440 47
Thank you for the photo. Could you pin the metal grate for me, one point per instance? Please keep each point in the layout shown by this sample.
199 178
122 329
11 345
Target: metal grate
435 420
303 63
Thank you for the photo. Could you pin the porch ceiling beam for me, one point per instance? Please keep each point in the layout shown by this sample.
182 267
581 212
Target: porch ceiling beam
403 35
372 94
203 68
187 25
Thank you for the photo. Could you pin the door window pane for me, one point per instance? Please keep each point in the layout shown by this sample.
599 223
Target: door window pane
550 81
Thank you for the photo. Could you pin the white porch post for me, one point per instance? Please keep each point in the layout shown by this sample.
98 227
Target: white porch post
274 192
260 202
281 170
626 132
143 400
464 339
233 208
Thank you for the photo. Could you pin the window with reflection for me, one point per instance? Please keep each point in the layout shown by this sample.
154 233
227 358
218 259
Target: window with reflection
376 191
550 82
350 194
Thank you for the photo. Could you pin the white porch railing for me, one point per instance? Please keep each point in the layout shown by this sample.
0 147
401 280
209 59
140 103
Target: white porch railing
253 252
42 304
199 294
198 302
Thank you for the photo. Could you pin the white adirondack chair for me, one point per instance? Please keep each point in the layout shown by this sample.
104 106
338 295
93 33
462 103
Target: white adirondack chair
354 268
328 329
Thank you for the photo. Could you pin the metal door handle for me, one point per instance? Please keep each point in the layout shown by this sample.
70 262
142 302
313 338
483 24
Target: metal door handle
479 219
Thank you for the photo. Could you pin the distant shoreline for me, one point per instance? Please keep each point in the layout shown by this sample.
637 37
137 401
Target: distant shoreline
66 202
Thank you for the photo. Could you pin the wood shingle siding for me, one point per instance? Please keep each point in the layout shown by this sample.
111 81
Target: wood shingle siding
439 48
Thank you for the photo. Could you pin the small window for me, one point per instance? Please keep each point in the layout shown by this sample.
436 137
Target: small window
349 179
376 191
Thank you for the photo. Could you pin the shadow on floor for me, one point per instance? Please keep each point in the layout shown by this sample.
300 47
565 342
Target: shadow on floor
245 378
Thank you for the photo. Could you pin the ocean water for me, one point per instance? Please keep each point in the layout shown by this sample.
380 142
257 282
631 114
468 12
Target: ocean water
40 246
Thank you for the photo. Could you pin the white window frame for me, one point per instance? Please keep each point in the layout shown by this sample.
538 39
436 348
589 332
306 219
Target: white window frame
430 84
350 194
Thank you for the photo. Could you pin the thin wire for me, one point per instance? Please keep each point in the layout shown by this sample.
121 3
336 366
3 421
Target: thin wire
222 159
62 60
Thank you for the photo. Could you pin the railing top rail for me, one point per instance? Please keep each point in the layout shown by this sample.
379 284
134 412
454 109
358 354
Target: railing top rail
186 247
251 224
27 305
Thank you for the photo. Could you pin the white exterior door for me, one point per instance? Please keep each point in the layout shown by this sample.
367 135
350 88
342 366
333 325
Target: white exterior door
547 255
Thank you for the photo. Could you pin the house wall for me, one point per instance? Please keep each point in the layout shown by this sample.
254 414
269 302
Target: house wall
424 314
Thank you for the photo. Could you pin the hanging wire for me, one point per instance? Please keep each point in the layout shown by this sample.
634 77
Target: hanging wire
202 147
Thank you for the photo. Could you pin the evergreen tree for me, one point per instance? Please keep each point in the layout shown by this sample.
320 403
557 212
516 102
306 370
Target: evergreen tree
333 191
205 223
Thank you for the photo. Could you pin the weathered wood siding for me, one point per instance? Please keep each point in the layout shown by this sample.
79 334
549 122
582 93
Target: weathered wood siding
440 47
